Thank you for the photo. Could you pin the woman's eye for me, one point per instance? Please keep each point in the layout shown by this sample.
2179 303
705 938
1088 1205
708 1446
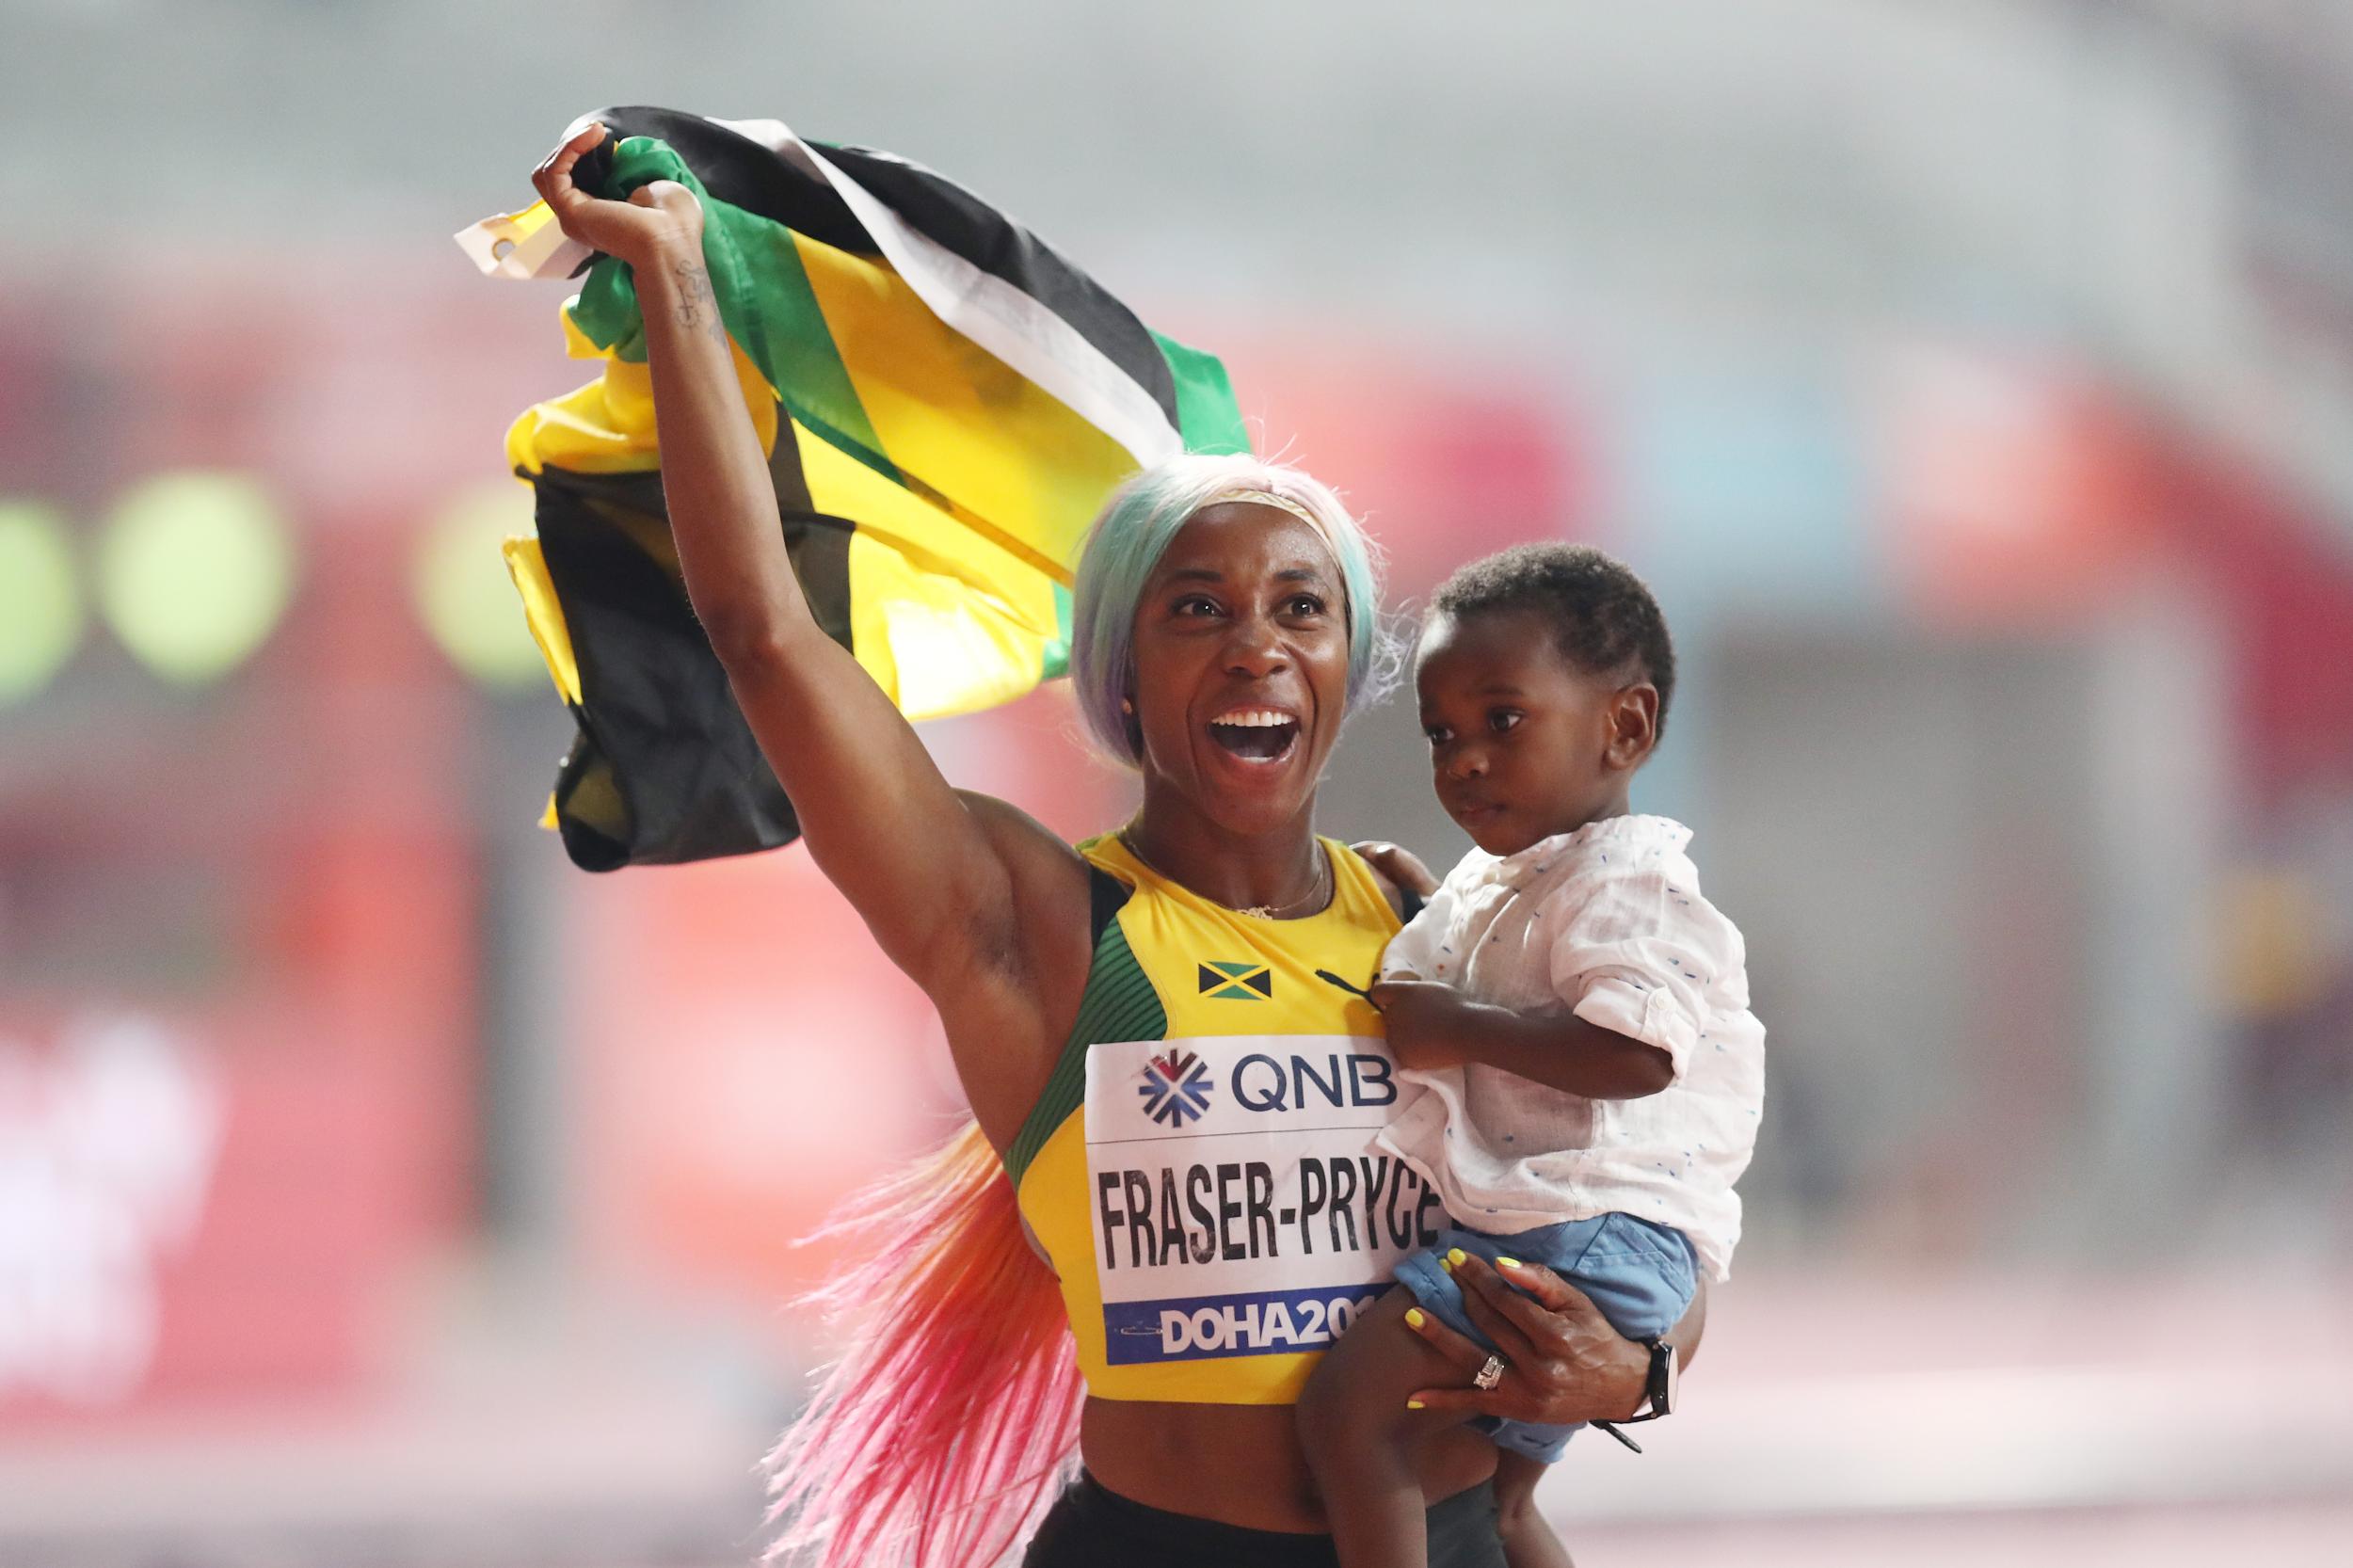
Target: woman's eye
1437 734
1503 719
1302 604
1196 604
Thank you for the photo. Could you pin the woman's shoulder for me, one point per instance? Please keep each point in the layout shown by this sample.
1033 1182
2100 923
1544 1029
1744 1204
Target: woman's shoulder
1007 1016
1109 855
1050 876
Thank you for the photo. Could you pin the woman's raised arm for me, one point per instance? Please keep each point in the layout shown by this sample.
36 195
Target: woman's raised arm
936 876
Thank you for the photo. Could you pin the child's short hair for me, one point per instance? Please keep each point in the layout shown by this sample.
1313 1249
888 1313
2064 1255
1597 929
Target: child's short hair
1603 618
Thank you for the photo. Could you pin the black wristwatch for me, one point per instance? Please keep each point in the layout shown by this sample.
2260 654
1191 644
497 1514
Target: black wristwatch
1660 1391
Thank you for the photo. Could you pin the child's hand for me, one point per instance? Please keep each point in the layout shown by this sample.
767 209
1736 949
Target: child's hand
1424 1020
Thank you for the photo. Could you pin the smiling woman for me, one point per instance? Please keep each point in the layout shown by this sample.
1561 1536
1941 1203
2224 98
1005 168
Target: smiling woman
1226 676
1225 622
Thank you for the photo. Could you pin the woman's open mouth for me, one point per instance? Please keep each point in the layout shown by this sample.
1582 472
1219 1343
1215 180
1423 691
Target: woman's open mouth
1255 735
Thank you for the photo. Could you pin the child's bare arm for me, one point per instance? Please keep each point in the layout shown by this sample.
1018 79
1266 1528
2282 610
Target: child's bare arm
1431 1024
1529 1541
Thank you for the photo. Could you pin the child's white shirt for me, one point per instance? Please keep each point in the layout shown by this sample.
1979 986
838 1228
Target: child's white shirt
1609 919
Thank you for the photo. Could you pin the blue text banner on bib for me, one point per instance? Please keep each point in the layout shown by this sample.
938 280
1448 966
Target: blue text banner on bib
1262 1322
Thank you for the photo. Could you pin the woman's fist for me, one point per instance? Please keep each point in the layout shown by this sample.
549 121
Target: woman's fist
659 219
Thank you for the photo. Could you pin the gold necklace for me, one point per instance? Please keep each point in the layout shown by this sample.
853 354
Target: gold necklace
1318 898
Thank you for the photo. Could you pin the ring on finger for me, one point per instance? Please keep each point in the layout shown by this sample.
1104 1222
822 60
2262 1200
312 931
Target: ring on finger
1490 1374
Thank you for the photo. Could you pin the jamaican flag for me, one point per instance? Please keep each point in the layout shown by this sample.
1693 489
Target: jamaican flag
945 403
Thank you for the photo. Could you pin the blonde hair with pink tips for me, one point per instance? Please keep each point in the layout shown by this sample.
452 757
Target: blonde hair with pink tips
942 1433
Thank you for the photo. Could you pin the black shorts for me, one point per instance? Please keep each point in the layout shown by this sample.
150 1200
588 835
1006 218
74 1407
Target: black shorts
1093 1526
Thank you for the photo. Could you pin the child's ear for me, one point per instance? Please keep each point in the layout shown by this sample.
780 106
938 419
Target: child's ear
1633 725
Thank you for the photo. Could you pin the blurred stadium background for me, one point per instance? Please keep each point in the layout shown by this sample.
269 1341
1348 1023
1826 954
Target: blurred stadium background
1973 379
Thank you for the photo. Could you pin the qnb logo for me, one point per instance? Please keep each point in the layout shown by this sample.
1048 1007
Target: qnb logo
1175 1087
1237 981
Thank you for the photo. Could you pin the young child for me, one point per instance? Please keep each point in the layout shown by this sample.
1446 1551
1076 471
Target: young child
1576 1010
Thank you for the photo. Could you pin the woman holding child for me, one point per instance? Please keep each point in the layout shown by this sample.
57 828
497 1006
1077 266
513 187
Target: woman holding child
1179 1097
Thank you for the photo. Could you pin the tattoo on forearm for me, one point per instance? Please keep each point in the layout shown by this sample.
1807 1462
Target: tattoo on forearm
698 307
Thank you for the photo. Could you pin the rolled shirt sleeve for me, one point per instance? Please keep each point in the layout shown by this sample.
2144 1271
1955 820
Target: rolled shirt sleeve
1638 951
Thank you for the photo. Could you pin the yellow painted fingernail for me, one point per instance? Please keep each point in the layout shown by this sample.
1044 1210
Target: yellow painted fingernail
1445 1265
1413 1316
1456 1256
1413 1405
1507 1263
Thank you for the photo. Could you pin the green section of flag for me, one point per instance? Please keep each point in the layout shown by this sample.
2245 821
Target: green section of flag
1057 659
1206 414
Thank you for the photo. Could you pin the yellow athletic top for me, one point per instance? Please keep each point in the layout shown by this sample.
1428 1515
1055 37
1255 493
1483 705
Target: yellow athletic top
1200 1167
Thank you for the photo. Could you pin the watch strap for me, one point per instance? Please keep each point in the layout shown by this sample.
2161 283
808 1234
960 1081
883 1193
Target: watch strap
1658 1391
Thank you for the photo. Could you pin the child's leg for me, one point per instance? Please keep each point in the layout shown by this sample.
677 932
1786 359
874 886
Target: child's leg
1529 1541
1353 1423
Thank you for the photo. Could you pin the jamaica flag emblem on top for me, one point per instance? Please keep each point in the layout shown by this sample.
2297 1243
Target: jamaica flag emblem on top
1237 981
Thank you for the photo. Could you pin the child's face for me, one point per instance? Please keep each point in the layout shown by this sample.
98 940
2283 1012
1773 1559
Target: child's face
1522 743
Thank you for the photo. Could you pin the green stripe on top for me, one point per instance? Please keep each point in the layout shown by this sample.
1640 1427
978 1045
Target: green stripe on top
1119 1004
1207 415
764 297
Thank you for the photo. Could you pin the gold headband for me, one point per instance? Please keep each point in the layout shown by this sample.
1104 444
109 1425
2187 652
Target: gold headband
1269 498
1249 496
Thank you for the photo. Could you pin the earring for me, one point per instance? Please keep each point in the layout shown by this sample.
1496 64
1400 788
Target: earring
1126 706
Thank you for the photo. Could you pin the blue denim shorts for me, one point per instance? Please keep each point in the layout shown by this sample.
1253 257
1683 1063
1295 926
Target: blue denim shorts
1639 1274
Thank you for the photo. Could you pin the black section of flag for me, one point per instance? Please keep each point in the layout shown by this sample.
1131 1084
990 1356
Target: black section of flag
741 171
664 768
977 232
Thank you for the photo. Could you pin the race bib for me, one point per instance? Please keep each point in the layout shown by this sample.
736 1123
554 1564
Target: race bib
1239 1206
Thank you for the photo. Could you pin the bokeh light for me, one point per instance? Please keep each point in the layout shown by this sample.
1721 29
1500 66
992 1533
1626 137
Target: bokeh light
463 594
194 571
41 607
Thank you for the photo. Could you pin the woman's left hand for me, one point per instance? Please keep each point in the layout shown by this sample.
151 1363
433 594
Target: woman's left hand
1562 1361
